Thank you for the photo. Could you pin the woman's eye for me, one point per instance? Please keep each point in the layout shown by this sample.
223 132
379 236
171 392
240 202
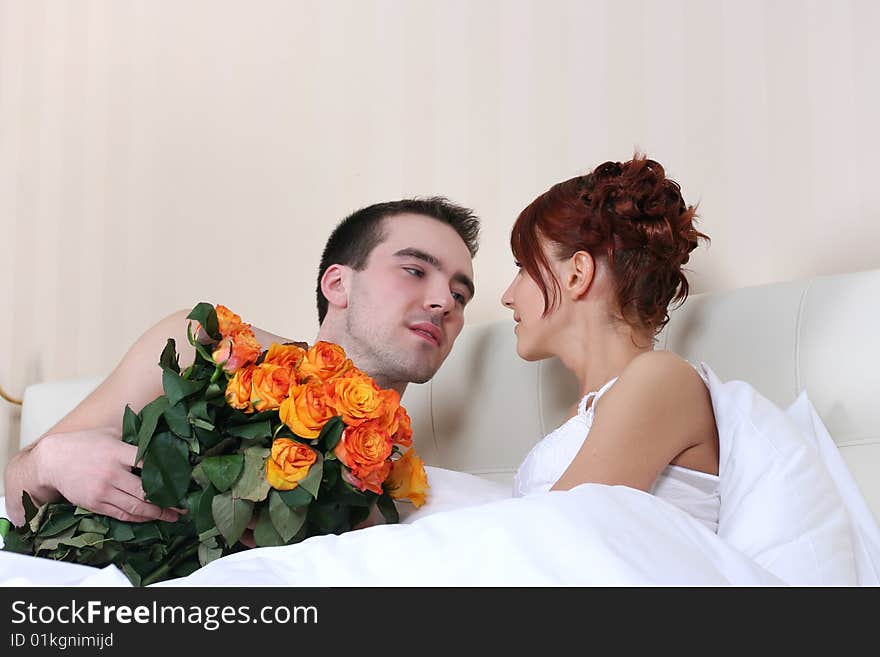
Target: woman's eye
517 264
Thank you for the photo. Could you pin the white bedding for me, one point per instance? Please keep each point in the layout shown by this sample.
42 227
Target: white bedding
790 515
592 535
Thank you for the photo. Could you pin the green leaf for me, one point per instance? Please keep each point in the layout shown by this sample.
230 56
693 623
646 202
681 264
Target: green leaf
93 526
265 534
81 511
130 425
133 575
18 541
206 315
329 517
145 532
252 484
199 410
30 509
312 481
255 430
43 544
387 508
199 476
166 473
176 387
286 521
209 550
207 437
149 419
204 515
120 531
357 514
231 516
215 390
169 360
331 433
177 421
85 540
296 498
209 533
331 472
37 519
58 522
223 471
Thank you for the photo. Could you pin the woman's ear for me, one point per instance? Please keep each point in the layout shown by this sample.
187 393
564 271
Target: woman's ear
335 285
580 274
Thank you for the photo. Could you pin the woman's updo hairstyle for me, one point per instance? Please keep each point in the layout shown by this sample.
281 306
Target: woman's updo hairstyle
631 214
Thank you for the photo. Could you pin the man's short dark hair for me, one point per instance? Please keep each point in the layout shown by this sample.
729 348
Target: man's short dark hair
355 237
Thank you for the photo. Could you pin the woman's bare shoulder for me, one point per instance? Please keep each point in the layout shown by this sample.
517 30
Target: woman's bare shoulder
659 380
661 366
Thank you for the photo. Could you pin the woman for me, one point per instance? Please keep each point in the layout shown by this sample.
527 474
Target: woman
600 260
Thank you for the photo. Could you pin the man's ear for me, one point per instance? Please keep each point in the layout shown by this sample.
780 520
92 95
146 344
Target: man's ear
335 285
580 274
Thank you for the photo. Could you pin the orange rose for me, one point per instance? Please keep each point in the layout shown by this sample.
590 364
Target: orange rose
227 320
371 481
288 463
307 409
238 349
271 384
238 390
323 361
285 355
403 432
356 398
363 448
390 404
408 479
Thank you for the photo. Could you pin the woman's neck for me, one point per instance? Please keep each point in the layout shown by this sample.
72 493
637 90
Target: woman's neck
596 357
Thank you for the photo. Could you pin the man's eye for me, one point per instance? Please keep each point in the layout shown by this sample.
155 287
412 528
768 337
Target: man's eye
415 272
459 298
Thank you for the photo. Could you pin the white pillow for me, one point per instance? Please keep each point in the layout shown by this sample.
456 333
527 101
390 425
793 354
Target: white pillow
779 504
863 528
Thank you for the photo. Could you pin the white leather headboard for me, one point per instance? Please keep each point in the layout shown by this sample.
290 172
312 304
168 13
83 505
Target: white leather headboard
485 408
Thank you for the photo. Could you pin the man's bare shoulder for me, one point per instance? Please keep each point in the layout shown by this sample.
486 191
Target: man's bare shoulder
265 338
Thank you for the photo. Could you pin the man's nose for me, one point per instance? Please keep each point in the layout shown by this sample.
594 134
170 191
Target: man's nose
440 300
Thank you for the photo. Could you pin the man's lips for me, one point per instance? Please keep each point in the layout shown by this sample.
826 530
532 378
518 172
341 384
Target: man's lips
428 332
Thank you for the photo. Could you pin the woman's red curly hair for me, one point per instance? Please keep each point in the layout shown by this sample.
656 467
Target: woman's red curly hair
631 214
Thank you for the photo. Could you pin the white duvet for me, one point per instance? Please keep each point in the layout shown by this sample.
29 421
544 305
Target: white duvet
591 535
790 515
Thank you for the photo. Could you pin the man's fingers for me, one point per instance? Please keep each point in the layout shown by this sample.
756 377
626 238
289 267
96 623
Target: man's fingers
119 514
137 505
129 498
126 454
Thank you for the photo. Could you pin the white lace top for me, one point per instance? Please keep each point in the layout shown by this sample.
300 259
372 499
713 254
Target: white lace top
692 491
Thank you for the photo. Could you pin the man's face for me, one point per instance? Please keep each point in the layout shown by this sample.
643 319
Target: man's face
406 307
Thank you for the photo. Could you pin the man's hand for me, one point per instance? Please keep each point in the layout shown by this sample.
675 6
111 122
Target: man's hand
90 468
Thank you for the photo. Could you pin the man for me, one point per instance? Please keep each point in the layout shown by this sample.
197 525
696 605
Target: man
392 286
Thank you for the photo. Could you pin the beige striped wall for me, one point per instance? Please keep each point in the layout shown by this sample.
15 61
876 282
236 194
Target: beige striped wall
153 154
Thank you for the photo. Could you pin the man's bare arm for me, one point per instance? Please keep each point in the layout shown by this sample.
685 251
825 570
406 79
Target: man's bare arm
82 457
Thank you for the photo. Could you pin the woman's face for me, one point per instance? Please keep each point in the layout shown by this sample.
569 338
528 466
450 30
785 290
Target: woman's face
534 332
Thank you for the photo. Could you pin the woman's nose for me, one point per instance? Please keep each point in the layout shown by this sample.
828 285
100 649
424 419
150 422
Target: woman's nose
507 298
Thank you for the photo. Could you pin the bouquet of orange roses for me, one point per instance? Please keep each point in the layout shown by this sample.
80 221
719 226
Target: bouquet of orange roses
293 441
